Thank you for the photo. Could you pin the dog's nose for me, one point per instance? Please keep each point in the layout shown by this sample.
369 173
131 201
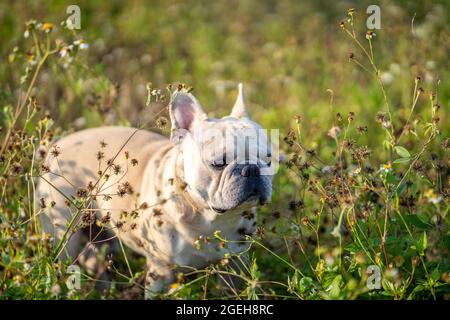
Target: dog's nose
250 170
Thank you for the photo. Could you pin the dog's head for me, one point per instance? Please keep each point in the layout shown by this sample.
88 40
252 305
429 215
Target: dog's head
227 162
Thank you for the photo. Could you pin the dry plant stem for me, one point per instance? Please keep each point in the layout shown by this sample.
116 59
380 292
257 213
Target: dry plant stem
21 103
376 73
415 99
63 241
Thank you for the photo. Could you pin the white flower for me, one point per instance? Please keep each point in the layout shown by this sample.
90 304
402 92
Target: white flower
387 78
385 168
435 200
26 34
326 169
81 44
64 52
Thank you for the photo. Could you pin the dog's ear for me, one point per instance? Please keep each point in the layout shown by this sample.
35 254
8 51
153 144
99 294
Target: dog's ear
239 108
184 112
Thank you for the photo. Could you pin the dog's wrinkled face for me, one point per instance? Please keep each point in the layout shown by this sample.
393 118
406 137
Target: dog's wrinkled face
227 162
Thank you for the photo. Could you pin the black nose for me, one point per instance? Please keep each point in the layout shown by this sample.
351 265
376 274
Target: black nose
250 170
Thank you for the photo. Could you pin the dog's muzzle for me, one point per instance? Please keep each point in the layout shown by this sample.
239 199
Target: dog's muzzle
249 187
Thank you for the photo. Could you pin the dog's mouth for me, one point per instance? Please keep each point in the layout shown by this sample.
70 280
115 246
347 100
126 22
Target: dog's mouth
252 199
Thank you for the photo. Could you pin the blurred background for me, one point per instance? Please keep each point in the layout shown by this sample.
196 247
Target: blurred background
292 56
287 53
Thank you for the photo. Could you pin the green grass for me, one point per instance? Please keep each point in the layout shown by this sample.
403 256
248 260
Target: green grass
364 132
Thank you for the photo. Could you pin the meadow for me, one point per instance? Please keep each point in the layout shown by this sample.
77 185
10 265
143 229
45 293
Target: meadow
360 203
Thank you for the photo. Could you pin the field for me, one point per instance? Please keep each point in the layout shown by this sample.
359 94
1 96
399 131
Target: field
361 201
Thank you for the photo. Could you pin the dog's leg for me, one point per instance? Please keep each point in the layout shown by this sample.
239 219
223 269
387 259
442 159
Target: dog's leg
158 278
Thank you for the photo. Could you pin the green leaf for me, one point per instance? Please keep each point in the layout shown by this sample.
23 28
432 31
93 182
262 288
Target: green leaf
435 275
402 160
422 244
402 152
417 221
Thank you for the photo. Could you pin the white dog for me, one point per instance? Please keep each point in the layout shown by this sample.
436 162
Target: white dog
162 198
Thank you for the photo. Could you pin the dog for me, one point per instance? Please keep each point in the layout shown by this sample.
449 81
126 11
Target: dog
161 197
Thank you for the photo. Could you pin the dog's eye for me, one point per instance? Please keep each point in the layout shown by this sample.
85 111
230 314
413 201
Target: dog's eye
218 164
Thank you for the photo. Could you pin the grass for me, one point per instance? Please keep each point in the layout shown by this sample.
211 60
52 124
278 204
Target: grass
364 135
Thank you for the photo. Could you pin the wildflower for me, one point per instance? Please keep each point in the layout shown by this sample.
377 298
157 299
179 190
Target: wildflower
326 169
349 143
119 224
418 166
82 192
295 204
432 197
100 155
351 116
143 206
334 132
174 286
381 117
31 58
67 62
370 34
305 221
161 122
355 172
134 162
117 169
106 218
81 44
30 24
387 78
260 232
47 27
124 188
385 168
361 129
248 215
386 124
342 24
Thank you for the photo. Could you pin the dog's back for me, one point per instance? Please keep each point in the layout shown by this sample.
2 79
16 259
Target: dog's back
107 161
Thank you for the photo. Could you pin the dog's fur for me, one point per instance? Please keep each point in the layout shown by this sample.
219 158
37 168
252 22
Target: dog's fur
175 195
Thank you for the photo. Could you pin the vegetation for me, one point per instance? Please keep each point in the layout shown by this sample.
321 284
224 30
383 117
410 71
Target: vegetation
364 184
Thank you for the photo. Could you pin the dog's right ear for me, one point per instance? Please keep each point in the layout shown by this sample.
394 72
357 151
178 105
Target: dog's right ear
184 112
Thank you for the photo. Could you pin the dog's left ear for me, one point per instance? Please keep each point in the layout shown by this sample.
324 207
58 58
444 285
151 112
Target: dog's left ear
239 108
184 112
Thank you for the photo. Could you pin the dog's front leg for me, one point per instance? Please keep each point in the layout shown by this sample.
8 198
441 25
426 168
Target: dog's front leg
158 278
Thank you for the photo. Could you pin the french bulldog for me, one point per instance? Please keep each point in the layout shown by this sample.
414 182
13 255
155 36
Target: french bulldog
163 198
